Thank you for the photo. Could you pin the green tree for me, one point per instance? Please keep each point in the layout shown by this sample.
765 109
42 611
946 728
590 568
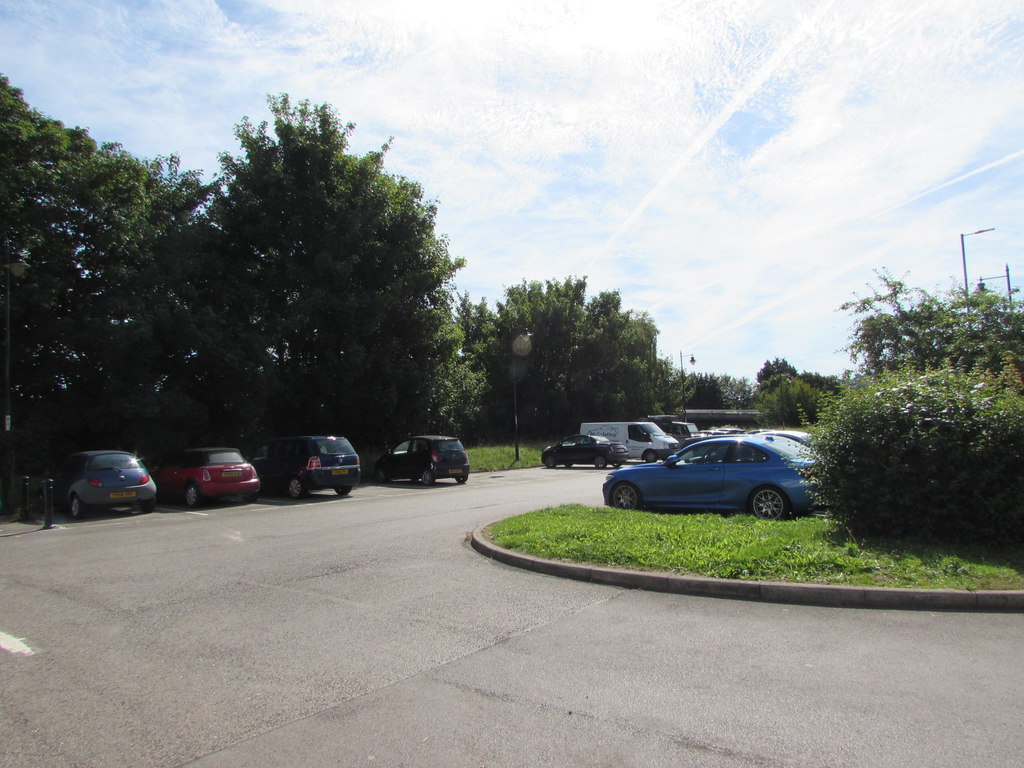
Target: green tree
342 276
901 327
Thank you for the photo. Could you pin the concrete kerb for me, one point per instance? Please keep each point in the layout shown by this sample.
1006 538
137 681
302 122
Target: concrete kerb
822 595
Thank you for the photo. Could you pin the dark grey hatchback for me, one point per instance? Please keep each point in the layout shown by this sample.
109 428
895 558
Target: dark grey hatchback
297 465
425 458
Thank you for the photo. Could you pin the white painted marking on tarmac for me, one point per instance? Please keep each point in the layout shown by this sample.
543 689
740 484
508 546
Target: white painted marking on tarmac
16 645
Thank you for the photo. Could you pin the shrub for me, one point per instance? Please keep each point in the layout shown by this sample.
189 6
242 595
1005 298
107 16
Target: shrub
936 455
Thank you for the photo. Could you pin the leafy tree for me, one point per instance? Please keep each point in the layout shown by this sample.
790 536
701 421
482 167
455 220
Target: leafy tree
774 371
899 327
341 274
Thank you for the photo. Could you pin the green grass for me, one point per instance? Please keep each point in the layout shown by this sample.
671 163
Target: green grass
491 458
807 550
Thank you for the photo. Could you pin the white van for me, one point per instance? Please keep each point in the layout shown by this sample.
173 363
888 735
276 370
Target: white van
645 440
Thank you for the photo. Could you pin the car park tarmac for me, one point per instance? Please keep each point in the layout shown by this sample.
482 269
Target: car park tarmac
364 630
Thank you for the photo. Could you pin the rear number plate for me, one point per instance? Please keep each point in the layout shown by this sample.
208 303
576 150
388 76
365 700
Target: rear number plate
231 473
454 471
339 471
122 494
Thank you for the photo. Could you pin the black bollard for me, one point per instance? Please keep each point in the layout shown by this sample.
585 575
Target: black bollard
47 504
24 499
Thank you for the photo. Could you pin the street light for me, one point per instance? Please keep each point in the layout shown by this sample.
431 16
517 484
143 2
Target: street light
17 269
521 347
1009 293
963 253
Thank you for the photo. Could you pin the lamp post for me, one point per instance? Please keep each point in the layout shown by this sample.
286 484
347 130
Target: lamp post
1009 293
521 347
17 269
963 253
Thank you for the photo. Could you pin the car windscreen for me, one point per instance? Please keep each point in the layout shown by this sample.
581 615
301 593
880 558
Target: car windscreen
113 461
332 445
653 430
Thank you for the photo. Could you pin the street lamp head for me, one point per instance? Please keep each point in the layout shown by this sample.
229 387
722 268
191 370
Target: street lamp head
16 268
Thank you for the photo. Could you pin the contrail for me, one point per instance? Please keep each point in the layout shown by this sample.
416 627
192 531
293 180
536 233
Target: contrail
763 74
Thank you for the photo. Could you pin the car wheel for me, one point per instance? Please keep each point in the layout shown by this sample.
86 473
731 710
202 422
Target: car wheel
627 496
77 507
549 461
193 496
296 488
147 505
252 498
649 456
343 490
769 503
600 462
381 474
461 480
428 477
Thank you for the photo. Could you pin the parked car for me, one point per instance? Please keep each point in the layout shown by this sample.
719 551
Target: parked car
199 474
297 465
89 480
425 458
748 473
585 449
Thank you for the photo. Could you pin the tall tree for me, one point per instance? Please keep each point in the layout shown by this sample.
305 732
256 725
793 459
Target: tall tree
343 274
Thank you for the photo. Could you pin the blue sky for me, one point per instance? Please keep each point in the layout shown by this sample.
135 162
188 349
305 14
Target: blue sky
737 169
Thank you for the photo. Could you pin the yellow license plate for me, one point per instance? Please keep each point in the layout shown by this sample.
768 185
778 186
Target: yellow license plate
340 471
454 471
122 494
231 473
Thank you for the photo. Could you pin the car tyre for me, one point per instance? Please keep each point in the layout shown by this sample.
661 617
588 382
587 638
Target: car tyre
627 496
462 480
193 496
343 490
77 507
147 505
296 488
549 461
649 456
600 462
381 474
428 477
768 503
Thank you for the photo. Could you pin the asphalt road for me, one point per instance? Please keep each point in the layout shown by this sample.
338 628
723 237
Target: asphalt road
363 631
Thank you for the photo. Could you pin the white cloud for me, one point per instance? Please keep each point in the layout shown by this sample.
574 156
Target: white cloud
737 169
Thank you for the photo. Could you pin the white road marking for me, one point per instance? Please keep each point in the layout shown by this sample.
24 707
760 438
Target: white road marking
14 645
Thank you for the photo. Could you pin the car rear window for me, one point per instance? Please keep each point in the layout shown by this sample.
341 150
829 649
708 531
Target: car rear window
331 445
450 446
224 457
113 461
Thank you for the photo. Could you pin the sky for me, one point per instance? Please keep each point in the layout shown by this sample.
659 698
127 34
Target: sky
736 169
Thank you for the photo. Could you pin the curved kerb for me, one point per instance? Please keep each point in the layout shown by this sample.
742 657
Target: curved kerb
830 595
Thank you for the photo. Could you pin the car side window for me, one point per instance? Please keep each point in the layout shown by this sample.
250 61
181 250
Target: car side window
747 454
635 433
402 447
704 453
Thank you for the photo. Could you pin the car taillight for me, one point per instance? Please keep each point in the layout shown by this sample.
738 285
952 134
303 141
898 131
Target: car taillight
144 479
436 456
313 463
206 475
95 482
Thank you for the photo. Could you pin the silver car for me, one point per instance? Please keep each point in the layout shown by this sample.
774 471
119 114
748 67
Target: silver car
94 479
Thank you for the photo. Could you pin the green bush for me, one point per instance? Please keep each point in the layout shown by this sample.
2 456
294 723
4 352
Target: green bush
936 455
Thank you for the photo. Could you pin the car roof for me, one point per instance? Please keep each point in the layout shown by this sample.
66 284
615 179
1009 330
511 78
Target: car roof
432 437
99 453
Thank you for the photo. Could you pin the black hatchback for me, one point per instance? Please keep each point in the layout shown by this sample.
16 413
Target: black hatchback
425 458
585 449
297 465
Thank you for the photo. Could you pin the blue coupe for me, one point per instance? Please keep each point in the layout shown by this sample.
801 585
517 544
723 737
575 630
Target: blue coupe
746 473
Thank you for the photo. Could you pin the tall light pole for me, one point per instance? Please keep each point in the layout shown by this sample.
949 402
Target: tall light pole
521 347
963 253
17 269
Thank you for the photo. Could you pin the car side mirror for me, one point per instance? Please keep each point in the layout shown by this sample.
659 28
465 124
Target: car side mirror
671 461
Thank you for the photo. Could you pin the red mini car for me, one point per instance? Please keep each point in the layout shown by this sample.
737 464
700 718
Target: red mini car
198 474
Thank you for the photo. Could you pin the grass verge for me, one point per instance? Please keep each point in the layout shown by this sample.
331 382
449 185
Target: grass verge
493 458
806 550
